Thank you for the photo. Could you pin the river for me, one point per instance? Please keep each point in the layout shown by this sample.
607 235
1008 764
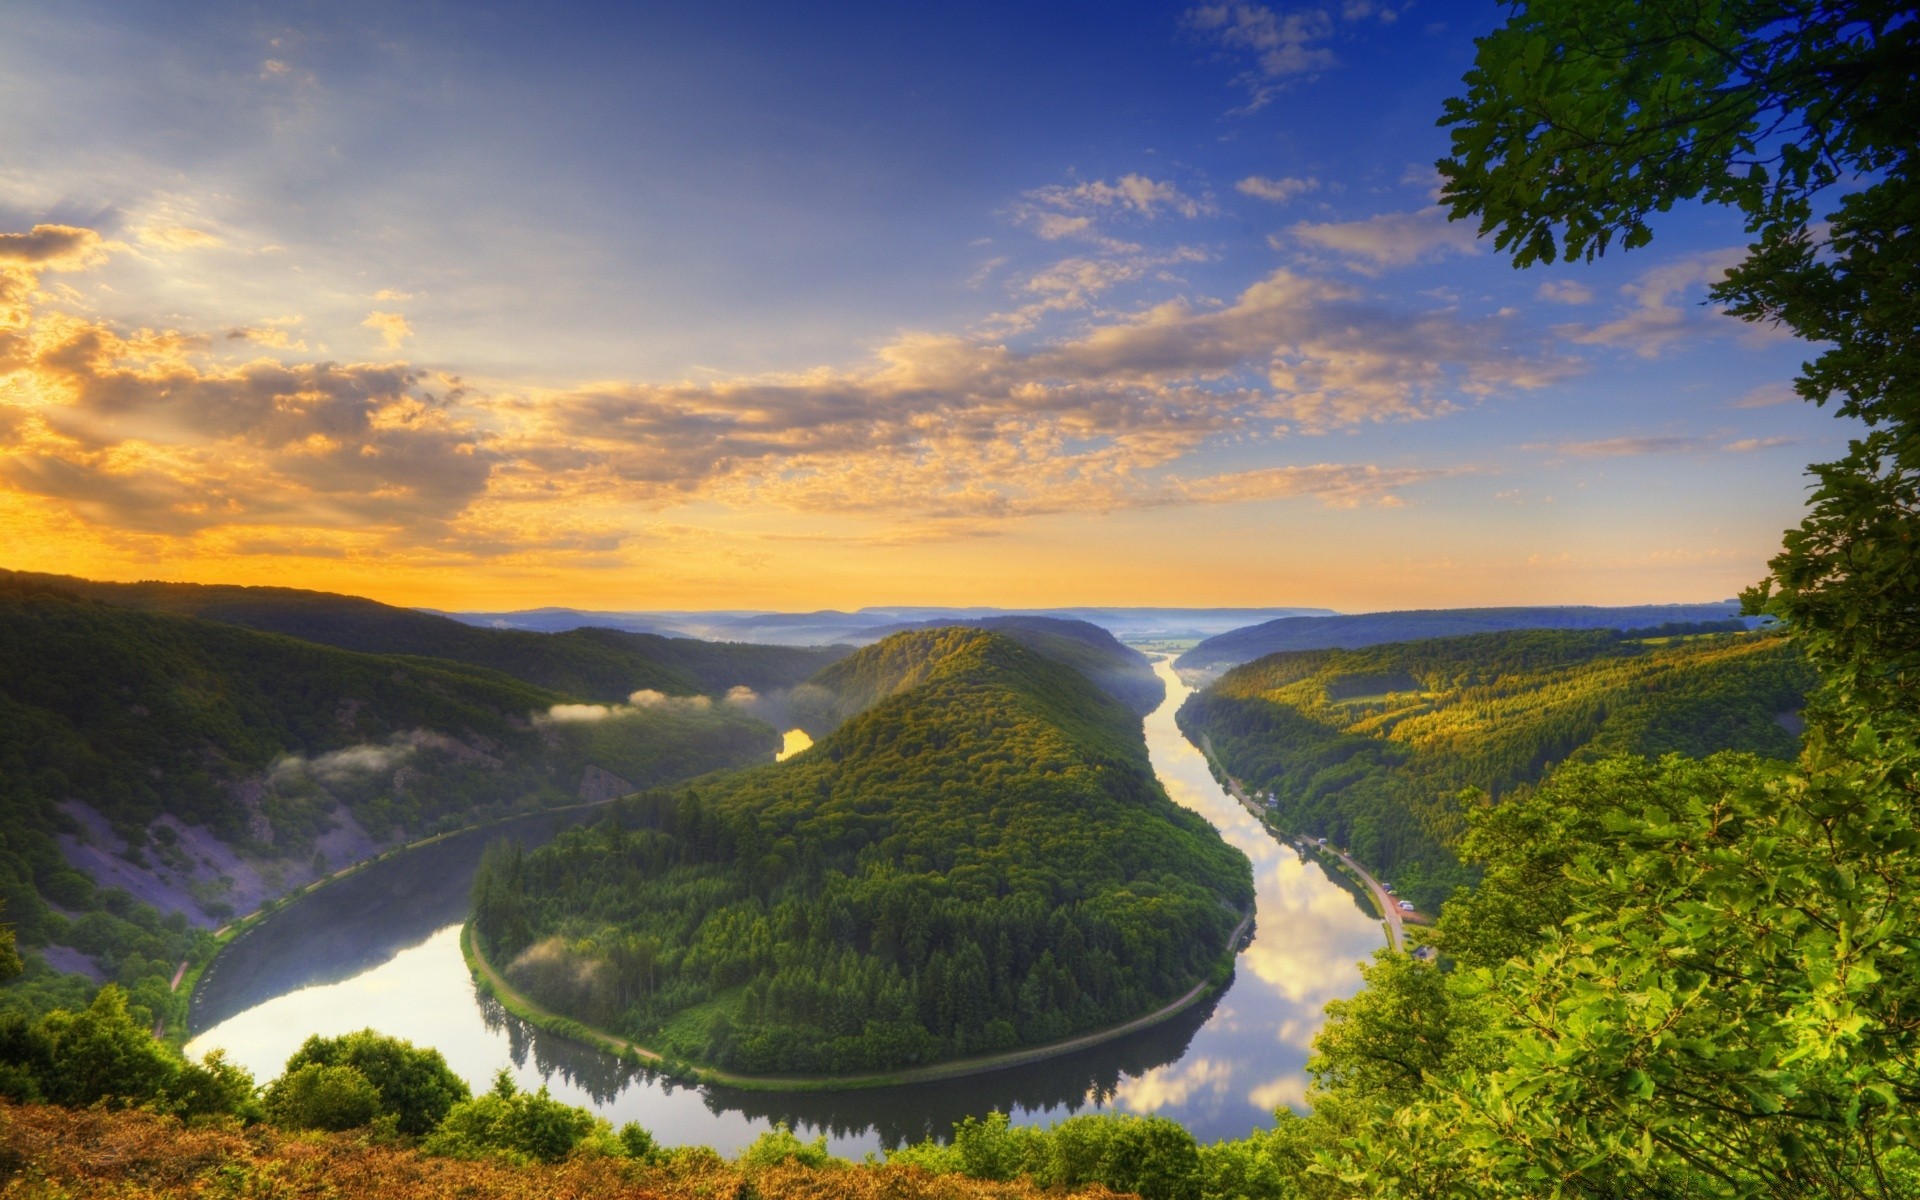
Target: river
380 949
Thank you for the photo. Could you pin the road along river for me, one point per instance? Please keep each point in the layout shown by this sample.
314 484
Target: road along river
381 948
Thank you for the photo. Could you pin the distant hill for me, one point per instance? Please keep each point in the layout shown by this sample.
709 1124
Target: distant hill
980 859
828 625
1372 747
1371 629
1121 671
597 664
203 767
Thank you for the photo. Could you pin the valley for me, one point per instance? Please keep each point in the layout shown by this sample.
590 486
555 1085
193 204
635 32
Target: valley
382 949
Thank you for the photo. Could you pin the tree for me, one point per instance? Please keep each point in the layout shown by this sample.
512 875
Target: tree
413 1083
104 1053
1696 978
313 1096
1582 119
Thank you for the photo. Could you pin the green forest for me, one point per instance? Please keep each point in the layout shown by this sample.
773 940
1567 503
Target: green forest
260 740
981 859
1384 750
593 664
1118 669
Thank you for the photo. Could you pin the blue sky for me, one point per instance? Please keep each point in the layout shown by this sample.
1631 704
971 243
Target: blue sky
796 306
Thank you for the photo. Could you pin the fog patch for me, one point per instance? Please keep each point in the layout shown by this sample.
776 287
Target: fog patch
642 701
367 758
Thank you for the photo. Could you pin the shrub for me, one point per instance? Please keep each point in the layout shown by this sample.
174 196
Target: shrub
314 1096
415 1085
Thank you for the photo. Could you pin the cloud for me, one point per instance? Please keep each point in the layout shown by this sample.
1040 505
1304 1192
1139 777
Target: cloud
1626 447
1074 283
1060 211
391 326
1766 396
1391 239
1656 319
170 435
1130 192
52 248
1564 291
176 237
1277 190
1282 47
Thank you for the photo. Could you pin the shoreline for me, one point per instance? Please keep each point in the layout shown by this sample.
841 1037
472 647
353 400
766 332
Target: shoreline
496 986
226 935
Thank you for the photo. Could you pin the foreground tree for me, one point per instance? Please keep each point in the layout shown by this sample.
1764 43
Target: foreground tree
1583 119
1694 979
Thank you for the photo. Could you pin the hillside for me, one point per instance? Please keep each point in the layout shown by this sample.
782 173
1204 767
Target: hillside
1371 748
981 859
1119 670
150 759
596 664
1353 631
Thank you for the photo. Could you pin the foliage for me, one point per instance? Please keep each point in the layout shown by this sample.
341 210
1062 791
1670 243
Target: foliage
981 860
1150 1156
412 1084
101 1155
595 664
1383 750
778 1146
519 1127
1117 669
1677 978
1582 120
145 716
106 1054
314 1096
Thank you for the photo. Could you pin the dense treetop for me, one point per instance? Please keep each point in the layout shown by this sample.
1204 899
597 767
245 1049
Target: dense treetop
1373 748
596 664
1119 669
263 739
982 858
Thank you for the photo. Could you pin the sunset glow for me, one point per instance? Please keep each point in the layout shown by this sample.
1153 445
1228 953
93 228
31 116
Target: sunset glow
740 308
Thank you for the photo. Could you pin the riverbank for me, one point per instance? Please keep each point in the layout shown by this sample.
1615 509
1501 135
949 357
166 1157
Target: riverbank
189 976
520 1006
1383 900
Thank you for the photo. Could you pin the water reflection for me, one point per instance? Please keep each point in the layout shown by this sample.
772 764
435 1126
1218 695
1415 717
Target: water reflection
381 949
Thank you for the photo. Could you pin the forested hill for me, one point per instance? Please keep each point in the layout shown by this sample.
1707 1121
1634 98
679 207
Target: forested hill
1119 670
1371 629
1371 748
204 767
598 664
981 860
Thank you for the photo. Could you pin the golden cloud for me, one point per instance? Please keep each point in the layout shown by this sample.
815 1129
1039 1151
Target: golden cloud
163 433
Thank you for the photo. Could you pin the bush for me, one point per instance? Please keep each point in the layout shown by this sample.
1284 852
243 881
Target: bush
518 1126
1152 1156
313 1096
779 1145
414 1084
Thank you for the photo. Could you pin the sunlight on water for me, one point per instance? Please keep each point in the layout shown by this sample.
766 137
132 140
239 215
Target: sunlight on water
1240 1061
795 740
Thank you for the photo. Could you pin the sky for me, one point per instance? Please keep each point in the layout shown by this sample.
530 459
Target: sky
804 306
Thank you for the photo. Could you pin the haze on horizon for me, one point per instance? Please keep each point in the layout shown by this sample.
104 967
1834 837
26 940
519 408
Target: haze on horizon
482 307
